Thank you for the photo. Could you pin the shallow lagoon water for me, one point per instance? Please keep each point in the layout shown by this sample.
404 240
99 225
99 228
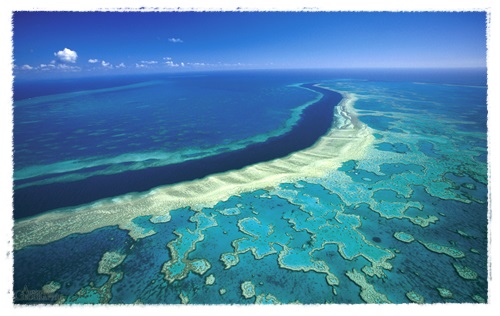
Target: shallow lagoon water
338 238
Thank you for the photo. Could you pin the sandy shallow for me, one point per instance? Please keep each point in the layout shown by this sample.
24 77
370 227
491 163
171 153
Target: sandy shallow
347 140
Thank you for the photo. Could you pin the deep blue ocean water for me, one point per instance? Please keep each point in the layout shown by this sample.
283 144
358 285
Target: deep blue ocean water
427 163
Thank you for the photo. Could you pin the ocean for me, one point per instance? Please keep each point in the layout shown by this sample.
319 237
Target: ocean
243 187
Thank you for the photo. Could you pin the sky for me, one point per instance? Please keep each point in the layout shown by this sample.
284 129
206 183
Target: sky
85 43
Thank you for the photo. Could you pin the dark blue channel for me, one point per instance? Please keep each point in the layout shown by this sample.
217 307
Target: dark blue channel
314 122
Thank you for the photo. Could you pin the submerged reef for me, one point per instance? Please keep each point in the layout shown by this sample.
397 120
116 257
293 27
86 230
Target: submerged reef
465 272
368 292
415 297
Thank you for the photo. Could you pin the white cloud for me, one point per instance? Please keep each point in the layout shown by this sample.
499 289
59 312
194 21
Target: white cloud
47 67
121 65
197 64
26 67
149 62
140 65
175 40
167 58
93 61
68 67
171 64
219 64
106 64
66 56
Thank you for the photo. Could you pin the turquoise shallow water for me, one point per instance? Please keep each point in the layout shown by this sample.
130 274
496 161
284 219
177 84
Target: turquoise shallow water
406 222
